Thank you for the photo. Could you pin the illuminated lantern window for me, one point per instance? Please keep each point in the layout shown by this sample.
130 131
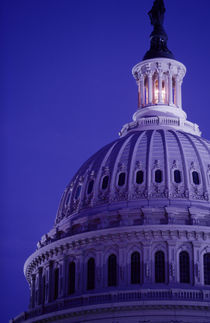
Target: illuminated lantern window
146 91
156 92
163 92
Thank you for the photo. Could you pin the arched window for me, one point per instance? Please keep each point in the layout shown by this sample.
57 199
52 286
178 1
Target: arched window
121 179
91 274
196 179
112 270
139 177
56 283
159 267
158 176
78 192
177 176
71 280
105 182
135 268
90 186
206 262
184 267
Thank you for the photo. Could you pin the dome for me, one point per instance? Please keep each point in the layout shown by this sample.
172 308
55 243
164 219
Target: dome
131 240
143 168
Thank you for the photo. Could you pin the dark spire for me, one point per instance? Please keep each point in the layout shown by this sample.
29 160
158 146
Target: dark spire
158 38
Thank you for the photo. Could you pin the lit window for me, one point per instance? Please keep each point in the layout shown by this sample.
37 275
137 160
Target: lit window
112 270
91 274
135 268
90 186
156 91
158 176
163 92
139 177
159 267
177 176
78 192
105 182
71 280
195 177
184 267
206 262
121 179
56 283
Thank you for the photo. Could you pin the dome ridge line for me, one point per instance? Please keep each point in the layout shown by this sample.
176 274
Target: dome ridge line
166 164
148 162
116 166
133 158
186 175
103 164
205 188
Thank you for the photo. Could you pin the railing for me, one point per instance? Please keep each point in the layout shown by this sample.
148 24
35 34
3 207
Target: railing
114 297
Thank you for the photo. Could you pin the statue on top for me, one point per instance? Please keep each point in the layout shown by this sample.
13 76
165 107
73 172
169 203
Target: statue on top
158 37
157 12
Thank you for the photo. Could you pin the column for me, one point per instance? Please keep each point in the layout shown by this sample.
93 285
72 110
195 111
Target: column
49 282
179 92
142 102
122 269
147 273
170 89
139 93
40 285
160 78
32 302
196 270
150 88
171 262
65 276
99 270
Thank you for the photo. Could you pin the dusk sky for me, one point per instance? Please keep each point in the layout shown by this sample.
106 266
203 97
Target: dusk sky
66 91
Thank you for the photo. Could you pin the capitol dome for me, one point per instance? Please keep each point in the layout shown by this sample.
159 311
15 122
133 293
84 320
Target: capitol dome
161 166
131 239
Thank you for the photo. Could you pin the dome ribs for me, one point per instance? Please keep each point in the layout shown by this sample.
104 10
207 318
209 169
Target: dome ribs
117 193
201 166
136 162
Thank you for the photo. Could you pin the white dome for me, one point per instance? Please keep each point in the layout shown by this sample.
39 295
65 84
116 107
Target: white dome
181 160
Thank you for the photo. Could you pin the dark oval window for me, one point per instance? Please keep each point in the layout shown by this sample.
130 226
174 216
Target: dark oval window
195 177
139 177
177 176
105 182
90 186
78 192
158 176
121 179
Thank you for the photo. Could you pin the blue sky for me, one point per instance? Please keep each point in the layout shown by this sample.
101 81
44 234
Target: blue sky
66 90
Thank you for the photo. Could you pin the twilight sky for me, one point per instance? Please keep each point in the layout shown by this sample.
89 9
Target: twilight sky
66 91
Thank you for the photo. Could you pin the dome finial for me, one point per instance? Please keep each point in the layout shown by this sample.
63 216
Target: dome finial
158 38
